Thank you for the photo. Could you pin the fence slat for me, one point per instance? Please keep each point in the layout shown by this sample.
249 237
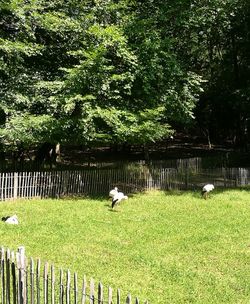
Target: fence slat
61 295
46 283
3 275
52 284
7 276
38 266
100 293
110 295
68 288
128 299
15 184
92 292
2 186
22 275
13 275
118 297
75 289
84 286
6 185
32 282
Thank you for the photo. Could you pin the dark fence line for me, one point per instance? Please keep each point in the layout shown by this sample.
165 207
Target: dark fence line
129 179
24 280
35 166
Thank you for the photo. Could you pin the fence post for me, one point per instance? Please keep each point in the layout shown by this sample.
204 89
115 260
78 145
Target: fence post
32 282
100 293
68 287
61 287
75 289
110 295
2 275
13 274
38 281
92 292
15 185
46 283
22 275
84 283
128 299
52 284
118 298
7 276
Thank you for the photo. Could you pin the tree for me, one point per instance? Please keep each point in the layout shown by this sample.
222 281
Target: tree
219 49
97 72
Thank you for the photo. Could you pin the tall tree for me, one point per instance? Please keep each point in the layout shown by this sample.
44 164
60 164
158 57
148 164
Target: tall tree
220 51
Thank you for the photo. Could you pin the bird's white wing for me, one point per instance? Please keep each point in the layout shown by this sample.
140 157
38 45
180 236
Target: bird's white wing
119 196
208 187
113 192
12 220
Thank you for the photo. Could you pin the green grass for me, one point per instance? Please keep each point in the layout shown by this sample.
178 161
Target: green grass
164 247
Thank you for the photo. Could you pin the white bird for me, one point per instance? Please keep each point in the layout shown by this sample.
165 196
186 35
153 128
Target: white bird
117 198
10 219
113 192
206 189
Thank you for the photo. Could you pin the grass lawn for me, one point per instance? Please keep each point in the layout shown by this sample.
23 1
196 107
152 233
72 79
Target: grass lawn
164 247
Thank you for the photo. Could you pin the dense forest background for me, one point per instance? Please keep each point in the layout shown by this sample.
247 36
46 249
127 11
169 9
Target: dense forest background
122 73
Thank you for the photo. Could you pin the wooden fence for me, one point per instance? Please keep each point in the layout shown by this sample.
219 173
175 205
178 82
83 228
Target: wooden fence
27 281
99 181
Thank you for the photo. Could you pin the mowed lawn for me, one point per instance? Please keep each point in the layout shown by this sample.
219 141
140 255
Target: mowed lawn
172 247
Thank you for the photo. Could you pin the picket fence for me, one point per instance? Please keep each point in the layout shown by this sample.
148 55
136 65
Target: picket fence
99 181
26 281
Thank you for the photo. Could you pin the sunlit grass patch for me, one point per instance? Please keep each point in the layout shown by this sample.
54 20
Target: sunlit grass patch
172 247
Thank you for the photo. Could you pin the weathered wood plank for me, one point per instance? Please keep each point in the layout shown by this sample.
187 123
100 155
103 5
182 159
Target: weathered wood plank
3 274
2 186
24 177
68 288
61 291
14 281
32 281
129 299
38 295
52 273
84 286
75 289
100 293
7 260
92 292
22 276
15 185
118 296
110 301
46 283
6 185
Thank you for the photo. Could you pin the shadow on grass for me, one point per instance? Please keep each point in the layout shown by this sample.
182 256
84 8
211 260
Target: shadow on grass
174 192
198 194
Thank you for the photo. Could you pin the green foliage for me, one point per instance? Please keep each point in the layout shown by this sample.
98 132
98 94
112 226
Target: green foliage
219 48
27 130
98 67
119 126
